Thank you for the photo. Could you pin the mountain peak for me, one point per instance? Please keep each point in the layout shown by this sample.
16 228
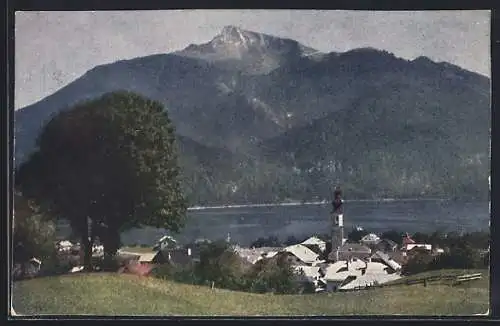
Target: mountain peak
238 37
247 51
229 29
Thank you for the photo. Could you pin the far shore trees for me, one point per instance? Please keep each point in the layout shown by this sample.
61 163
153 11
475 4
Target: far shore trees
107 165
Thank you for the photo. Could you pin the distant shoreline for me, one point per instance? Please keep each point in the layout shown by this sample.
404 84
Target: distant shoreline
324 202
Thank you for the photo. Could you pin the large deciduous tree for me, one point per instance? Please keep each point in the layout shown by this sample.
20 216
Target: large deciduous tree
107 165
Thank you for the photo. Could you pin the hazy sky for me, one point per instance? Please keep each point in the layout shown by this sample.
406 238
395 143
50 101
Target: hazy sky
54 48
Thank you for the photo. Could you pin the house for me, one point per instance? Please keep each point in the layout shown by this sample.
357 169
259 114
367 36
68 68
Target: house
370 239
337 273
398 256
165 242
413 249
412 246
302 254
349 275
386 245
33 267
64 246
153 258
407 240
255 254
97 250
179 256
384 258
409 244
315 241
308 274
367 280
317 249
351 250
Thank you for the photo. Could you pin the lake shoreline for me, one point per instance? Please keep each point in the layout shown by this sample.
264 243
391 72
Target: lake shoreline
324 202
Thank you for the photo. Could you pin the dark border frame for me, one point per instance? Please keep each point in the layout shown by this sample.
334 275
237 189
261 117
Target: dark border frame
53 5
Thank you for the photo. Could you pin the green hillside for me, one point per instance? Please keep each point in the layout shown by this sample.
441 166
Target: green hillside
114 294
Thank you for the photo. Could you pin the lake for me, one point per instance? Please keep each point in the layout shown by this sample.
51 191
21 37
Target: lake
246 224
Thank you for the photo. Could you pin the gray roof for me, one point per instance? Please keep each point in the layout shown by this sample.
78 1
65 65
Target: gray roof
355 247
387 260
389 242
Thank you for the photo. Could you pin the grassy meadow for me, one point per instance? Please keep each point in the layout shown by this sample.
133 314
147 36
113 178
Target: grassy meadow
123 294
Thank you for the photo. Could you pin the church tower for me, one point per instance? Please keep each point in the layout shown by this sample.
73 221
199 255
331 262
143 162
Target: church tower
337 224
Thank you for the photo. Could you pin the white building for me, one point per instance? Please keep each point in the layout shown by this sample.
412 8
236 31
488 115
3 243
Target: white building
315 241
165 242
370 239
310 274
64 246
303 253
253 255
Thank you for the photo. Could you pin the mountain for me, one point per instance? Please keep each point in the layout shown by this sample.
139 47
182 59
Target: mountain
260 118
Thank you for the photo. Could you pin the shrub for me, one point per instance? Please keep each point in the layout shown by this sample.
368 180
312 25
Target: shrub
163 271
33 233
461 256
393 235
271 241
418 263
356 235
109 264
274 275
57 265
222 266
308 288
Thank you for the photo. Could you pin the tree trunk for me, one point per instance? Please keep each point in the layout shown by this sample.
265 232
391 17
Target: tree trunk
87 253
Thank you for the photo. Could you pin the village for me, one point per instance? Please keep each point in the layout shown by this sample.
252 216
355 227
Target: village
335 264
370 262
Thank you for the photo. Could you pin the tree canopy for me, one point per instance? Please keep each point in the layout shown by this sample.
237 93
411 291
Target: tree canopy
110 162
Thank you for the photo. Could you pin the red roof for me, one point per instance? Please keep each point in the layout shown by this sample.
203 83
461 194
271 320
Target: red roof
407 240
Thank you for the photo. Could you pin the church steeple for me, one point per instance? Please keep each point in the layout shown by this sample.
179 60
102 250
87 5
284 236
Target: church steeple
337 223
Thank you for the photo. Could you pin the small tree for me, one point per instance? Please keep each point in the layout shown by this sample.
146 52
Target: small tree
420 237
33 234
418 263
271 241
461 255
107 165
274 275
356 235
393 235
